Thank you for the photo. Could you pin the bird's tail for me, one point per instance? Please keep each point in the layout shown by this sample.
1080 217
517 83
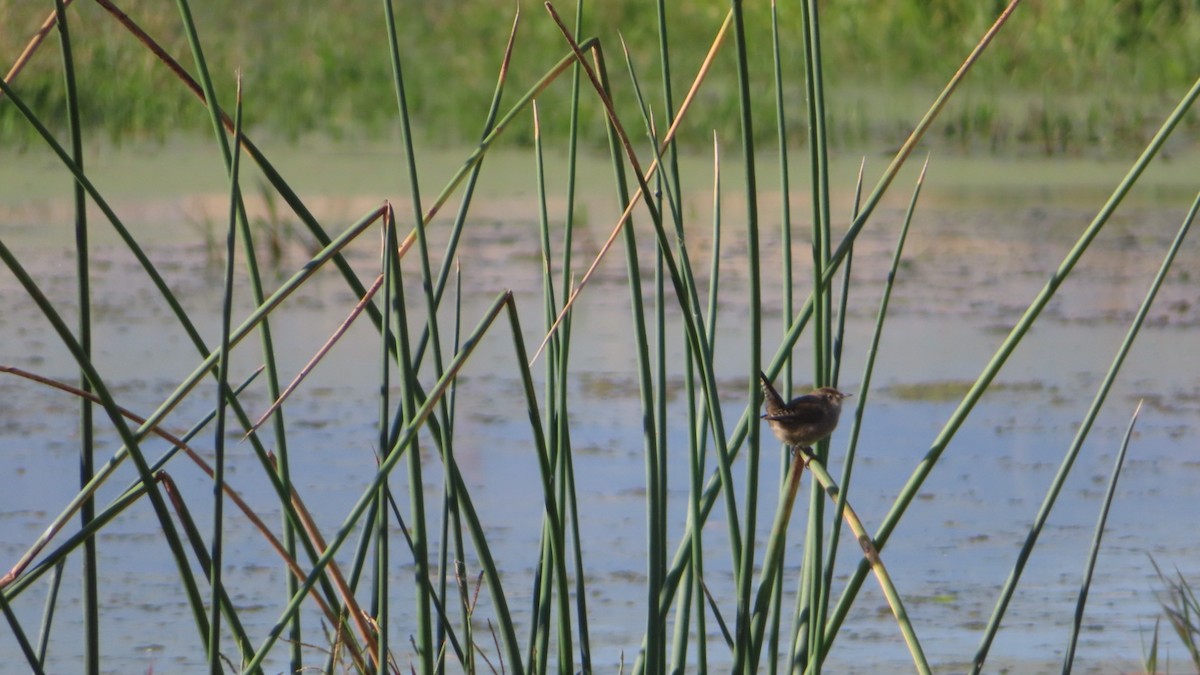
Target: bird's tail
773 401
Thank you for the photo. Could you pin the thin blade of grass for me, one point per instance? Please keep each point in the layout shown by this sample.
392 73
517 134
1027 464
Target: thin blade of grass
391 323
87 457
1150 664
238 218
216 557
221 603
48 612
744 656
1094 551
1179 606
35 665
653 392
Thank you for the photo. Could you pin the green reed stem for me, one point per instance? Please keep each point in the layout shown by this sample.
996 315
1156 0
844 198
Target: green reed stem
864 387
219 430
18 632
875 563
785 247
127 497
689 305
87 459
551 511
404 437
1094 550
908 493
716 483
562 426
744 572
128 438
698 428
416 480
221 603
48 613
87 428
389 263
1081 434
655 408
267 344
543 591
460 569
425 638
822 295
451 520
332 248
765 597
655 622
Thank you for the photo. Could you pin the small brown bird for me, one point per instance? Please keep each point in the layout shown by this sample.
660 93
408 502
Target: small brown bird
807 419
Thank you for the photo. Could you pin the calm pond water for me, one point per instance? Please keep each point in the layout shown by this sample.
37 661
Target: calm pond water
986 237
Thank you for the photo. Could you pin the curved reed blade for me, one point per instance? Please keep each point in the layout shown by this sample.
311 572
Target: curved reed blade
1094 551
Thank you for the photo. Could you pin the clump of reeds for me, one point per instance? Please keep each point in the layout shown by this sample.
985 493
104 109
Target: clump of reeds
767 616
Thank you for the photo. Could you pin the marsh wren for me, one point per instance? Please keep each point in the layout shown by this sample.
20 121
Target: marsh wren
806 419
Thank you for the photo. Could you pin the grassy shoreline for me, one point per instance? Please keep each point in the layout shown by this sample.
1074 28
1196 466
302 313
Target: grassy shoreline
1067 78
183 166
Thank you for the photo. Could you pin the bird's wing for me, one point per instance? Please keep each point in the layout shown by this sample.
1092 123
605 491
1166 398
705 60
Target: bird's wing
803 410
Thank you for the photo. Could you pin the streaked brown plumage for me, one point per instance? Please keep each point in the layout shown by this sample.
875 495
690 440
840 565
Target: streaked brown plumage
806 419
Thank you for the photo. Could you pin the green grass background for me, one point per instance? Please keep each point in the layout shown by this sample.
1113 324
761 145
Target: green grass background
1078 77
